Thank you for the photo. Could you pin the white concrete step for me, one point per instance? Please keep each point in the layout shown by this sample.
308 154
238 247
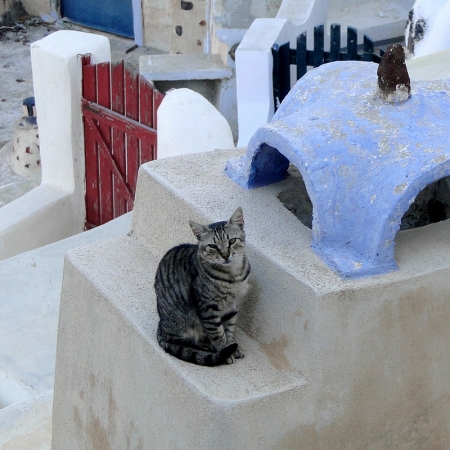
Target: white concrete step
183 67
27 425
108 353
29 308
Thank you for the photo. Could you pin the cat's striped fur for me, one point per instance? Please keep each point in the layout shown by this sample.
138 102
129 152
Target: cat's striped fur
198 290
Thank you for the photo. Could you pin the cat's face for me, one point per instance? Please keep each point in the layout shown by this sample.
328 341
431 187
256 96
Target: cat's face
222 242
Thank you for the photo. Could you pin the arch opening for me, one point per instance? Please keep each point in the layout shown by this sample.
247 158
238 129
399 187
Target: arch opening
431 205
296 198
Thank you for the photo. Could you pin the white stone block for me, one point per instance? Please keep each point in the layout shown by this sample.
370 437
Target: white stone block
188 123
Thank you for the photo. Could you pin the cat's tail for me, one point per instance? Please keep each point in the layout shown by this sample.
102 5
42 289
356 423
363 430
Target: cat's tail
197 356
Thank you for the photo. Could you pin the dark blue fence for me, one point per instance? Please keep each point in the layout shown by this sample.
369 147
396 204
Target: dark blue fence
284 56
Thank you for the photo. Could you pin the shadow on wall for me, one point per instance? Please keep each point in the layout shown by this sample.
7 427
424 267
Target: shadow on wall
431 205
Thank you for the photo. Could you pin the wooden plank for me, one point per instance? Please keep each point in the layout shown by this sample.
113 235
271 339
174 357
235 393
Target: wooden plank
106 182
285 71
276 76
92 198
89 88
368 49
146 118
145 102
109 162
318 45
157 100
352 44
129 126
132 111
301 56
85 59
335 42
120 205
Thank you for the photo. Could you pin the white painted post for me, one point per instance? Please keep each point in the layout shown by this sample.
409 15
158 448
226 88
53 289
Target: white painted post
254 60
54 210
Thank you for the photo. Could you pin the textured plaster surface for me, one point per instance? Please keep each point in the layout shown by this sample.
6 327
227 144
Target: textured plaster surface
28 424
330 362
379 19
29 309
363 160
183 67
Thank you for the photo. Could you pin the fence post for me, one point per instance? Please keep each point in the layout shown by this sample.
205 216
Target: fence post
301 56
352 44
318 46
335 42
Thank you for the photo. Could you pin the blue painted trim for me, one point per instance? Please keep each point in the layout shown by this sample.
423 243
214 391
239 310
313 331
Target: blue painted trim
113 17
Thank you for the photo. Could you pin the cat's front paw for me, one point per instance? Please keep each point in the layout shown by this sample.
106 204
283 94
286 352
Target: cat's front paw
238 354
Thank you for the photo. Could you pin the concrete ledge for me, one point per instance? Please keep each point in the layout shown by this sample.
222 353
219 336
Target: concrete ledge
380 20
108 354
183 67
430 67
28 424
41 216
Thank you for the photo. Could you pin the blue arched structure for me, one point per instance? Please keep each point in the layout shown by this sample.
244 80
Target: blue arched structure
363 160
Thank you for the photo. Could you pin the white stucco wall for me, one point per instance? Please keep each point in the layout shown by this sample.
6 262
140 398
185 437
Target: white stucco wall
37 7
198 22
428 31
254 60
5 5
55 209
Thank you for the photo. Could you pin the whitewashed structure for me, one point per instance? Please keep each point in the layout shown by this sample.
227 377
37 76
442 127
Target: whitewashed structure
323 355
55 209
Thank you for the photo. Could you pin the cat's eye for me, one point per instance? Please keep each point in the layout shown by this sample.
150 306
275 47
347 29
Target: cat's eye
232 241
212 248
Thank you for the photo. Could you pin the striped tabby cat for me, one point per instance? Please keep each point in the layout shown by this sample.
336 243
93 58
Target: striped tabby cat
198 290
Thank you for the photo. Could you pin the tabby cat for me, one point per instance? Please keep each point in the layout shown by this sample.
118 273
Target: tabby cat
198 290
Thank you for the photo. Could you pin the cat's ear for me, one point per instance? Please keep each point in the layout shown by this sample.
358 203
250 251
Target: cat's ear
237 218
197 229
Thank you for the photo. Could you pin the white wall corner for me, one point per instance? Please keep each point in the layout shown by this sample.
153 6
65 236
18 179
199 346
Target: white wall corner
254 60
138 22
54 210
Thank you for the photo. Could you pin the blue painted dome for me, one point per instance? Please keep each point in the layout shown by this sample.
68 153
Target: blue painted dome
363 160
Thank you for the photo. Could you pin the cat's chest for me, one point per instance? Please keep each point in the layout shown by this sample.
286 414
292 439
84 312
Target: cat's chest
234 293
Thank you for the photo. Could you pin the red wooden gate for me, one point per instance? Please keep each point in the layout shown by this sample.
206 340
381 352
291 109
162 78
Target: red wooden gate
119 114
